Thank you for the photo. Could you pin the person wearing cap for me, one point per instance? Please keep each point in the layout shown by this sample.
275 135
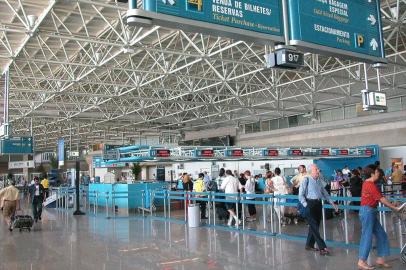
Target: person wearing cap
37 198
9 201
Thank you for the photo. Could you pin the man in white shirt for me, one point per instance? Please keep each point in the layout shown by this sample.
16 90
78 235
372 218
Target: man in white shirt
346 171
250 189
230 185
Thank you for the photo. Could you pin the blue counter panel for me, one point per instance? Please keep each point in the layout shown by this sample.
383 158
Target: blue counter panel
125 195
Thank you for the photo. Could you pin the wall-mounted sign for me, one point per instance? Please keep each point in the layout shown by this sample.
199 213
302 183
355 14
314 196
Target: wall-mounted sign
350 28
21 164
235 153
271 152
324 152
205 153
295 152
343 152
17 145
162 153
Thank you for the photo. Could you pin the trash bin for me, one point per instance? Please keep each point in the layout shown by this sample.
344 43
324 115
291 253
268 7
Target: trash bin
193 212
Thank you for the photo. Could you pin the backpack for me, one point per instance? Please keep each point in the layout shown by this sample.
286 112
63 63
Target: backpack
212 186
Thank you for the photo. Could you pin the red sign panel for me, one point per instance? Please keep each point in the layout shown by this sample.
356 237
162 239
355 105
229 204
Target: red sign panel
325 152
273 153
207 153
343 152
296 152
163 153
369 152
237 153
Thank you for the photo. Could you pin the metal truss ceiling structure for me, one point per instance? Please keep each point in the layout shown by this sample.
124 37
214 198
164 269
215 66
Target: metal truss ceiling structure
77 69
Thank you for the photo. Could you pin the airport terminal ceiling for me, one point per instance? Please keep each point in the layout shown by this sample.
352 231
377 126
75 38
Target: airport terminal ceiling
77 68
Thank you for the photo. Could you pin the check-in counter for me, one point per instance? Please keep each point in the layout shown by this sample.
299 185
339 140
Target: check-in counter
124 195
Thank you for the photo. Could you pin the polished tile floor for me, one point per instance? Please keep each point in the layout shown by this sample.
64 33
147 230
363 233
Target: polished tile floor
90 242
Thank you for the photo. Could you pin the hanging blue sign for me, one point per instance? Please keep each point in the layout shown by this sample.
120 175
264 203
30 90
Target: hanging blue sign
61 152
350 28
263 16
98 162
17 145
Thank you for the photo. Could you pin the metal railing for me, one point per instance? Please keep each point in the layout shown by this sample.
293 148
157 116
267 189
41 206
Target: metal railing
93 200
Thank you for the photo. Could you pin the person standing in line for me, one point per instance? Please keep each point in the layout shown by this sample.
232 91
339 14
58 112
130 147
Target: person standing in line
368 214
199 186
355 185
298 179
346 171
250 189
187 182
230 185
45 184
311 194
10 202
37 198
397 177
280 187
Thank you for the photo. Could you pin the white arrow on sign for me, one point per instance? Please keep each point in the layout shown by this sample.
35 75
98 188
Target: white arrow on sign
374 44
372 19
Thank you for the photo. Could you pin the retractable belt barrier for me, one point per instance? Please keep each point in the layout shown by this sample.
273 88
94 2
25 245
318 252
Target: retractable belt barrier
266 201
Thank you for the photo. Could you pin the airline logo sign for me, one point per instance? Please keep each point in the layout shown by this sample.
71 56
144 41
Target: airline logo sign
344 27
264 16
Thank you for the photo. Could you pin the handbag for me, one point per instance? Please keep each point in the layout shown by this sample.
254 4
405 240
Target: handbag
301 209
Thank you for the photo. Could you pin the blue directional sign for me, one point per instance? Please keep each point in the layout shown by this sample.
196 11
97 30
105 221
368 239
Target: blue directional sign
61 152
349 28
17 145
264 16
98 162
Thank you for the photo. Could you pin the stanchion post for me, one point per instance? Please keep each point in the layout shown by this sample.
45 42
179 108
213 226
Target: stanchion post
323 212
107 204
237 212
214 210
278 203
169 204
272 221
264 212
346 221
143 202
208 206
243 212
165 203
185 196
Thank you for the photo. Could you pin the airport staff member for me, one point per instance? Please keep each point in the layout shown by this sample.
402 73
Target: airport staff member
45 184
37 197
9 201
311 194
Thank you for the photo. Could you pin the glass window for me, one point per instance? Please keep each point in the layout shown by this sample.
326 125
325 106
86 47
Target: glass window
394 105
325 116
274 124
302 121
256 127
283 122
337 114
350 112
248 128
265 125
292 120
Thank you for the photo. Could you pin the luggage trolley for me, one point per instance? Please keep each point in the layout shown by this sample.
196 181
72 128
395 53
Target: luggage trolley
402 216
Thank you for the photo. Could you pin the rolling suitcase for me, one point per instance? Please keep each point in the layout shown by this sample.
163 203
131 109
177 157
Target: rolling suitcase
23 222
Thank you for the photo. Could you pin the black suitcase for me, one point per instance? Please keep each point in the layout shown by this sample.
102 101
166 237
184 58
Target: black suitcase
23 222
